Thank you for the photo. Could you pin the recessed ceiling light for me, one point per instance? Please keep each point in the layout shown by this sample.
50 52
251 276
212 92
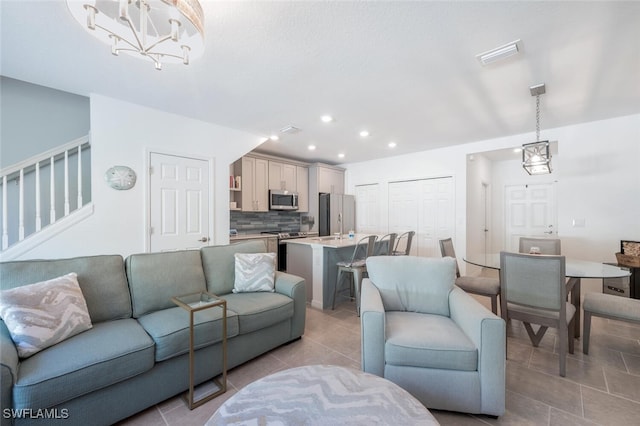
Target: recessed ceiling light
392 144
517 150
326 119
311 147
364 133
341 155
274 137
499 53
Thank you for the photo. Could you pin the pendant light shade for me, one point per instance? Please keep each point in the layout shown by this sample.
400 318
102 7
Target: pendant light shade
536 156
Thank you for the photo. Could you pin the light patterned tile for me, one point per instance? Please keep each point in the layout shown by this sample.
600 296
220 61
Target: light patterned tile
560 418
589 374
633 363
546 388
607 409
623 384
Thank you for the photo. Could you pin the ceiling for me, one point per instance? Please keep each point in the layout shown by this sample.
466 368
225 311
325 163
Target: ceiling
404 71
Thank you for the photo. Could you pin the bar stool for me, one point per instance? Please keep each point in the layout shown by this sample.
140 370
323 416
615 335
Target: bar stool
407 249
356 266
391 237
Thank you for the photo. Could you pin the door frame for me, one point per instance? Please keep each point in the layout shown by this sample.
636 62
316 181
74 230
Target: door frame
147 188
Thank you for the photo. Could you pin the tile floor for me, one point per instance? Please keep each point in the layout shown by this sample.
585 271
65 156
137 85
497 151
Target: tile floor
602 388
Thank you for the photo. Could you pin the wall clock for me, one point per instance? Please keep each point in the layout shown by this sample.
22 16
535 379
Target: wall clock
120 177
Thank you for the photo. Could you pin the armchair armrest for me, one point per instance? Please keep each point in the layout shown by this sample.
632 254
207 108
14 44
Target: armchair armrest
8 367
294 287
372 319
488 333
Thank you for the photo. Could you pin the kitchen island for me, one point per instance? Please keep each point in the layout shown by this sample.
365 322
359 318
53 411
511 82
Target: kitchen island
315 260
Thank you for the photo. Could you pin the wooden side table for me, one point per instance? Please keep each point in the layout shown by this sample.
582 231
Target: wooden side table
193 303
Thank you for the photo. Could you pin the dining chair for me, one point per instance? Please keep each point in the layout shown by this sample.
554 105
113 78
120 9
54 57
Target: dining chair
483 286
405 238
383 249
533 291
546 245
356 266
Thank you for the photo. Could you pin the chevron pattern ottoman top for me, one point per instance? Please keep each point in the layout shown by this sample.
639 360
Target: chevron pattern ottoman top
322 395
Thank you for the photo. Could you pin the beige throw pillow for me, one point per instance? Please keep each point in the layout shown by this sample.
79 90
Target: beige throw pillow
255 272
42 314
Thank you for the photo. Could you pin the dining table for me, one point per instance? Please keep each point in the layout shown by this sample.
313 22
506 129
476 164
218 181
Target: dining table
575 270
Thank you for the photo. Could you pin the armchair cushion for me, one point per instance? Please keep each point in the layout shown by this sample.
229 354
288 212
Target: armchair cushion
413 284
428 341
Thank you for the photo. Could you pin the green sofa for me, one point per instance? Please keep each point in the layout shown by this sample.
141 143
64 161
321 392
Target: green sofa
136 354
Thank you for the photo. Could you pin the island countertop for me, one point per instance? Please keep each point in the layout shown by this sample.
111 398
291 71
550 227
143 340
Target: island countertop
315 259
329 241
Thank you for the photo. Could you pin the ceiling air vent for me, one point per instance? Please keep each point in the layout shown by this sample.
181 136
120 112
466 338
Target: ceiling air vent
290 130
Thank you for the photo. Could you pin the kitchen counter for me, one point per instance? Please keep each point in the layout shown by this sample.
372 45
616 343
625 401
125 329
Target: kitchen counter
315 260
240 237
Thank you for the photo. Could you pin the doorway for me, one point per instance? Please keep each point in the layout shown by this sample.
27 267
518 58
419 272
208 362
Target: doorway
178 202
530 211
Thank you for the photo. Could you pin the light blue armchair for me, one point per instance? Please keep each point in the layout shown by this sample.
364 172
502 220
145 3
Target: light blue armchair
430 337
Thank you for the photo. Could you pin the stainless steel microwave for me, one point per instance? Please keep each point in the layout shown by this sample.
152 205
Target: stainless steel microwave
283 200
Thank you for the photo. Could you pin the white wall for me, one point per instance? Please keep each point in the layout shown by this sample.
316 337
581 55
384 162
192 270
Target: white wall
122 134
34 119
598 180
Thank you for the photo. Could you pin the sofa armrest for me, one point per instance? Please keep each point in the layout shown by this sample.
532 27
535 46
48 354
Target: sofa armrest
294 287
372 320
488 333
8 366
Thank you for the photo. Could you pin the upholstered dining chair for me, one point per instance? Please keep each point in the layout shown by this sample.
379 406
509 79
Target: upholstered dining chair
546 245
483 286
533 290
383 249
403 244
356 266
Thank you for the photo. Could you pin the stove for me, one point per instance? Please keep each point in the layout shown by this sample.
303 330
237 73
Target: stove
282 246
289 235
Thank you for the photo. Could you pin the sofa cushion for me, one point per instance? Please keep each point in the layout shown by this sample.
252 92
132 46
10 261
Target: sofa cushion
169 329
42 314
413 284
259 310
254 272
428 341
101 278
218 263
110 352
154 278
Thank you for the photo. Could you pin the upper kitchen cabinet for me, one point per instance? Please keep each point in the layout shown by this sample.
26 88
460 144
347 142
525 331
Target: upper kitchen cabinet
282 176
255 181
302 186
327 178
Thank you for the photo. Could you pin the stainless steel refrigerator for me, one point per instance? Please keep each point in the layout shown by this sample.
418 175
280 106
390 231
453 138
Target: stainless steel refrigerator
337 214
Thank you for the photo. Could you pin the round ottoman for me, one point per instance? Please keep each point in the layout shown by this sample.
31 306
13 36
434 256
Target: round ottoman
322 395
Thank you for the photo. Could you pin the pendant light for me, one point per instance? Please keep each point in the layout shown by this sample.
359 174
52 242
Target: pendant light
536 156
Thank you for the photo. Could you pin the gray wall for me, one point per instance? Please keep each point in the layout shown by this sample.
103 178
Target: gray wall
34 119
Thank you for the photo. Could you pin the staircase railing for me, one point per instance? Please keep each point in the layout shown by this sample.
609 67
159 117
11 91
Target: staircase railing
28 215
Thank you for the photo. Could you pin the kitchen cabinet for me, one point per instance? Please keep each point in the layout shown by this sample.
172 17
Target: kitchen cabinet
302 185
255 178
330 180
282 176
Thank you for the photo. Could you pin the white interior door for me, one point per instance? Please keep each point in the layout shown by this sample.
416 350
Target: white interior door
530 211
367 208
424 206
179 202
403 208
435 215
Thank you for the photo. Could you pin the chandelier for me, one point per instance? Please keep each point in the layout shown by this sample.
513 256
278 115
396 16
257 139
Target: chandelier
170 31
536 156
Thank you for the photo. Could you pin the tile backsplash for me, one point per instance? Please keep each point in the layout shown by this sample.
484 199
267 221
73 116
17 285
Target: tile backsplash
255 222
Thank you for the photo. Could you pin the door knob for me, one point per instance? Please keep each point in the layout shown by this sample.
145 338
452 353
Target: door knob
204 239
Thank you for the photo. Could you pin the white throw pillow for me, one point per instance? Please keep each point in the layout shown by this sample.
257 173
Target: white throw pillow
42 314
255 272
